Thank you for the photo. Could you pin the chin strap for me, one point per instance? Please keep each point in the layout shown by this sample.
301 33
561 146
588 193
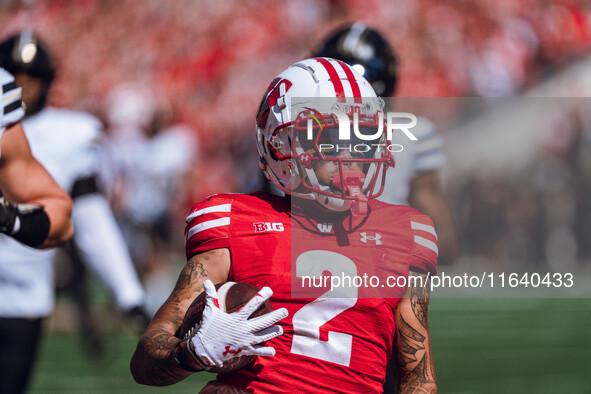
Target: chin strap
359 206
351 185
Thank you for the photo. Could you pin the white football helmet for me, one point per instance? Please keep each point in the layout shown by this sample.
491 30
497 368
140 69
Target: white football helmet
320 111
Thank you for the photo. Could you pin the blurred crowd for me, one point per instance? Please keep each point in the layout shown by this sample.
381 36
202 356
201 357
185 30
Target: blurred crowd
211 60
186 76
535 215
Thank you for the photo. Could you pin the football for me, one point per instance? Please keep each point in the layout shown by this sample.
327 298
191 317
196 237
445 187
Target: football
231 297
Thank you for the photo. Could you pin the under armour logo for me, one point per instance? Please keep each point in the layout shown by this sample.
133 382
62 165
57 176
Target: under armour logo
230 351
376 238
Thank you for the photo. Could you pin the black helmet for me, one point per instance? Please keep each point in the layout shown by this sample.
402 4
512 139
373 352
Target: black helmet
368 52
26 53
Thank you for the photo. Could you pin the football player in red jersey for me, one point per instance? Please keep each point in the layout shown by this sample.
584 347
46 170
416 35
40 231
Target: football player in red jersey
321 336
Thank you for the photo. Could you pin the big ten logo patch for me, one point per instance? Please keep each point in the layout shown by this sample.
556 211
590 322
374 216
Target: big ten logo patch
261 227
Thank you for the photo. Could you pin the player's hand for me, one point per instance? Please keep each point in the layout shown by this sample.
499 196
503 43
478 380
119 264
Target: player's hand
8 214
222 336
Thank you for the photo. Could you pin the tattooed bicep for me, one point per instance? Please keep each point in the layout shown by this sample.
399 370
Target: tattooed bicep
194 270
213 264
189 284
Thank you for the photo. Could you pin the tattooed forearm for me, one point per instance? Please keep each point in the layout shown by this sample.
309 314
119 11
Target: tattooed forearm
413 352
153 362
414 360
409 341
416 387
417 382
160 370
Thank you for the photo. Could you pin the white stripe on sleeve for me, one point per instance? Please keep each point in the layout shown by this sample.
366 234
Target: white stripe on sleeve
215 208
426 243
423 227
206 226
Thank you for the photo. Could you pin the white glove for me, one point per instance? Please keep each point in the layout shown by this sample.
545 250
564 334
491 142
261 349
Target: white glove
223 336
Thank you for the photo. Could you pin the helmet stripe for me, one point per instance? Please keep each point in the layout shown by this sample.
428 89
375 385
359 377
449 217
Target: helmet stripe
334 78
352 81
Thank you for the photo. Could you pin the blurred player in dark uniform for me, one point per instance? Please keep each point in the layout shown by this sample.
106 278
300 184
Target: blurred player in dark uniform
416 180
65 142
34 211
329 224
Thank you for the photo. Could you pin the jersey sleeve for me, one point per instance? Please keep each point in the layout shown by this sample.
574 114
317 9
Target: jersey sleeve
424 250
13 111
208 226
429 147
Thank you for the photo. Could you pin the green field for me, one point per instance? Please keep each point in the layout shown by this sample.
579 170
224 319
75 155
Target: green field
481 346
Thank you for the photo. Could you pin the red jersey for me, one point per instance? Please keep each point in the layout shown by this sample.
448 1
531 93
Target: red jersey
335 338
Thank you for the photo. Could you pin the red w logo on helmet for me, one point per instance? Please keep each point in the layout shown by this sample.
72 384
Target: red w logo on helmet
270 99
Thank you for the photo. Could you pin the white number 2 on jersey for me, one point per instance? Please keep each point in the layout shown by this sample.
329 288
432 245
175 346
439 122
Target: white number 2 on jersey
308 320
